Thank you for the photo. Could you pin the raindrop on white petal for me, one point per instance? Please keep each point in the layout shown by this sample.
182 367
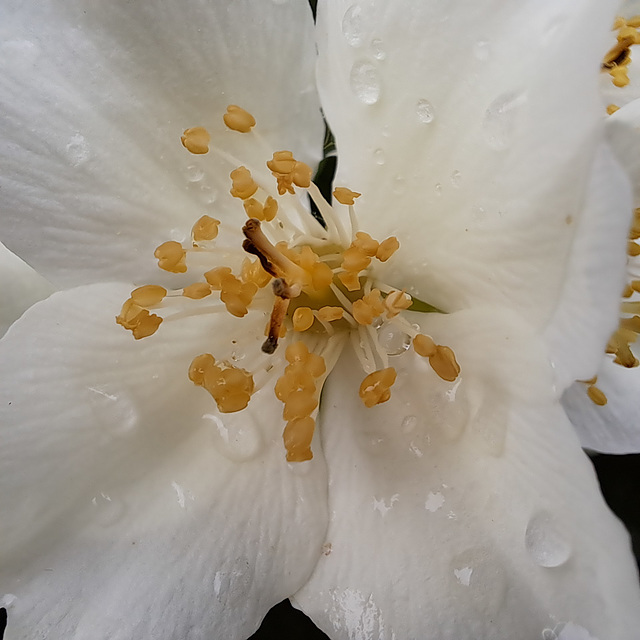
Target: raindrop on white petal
8 600
352 26
438 189
481 580
377 49
365 82
424 111
236 439
482 50
393 340
500 120
409 423
194 173
456 178
378 156
78 150
463 576
544 541
434 502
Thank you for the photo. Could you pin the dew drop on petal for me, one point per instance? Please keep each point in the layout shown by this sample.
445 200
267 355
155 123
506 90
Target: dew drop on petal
456 178
409 423
434 502
377 49
194 173
438 189
544 541
424 111
393 340
234 438
378 156
352 26
482 50
78 150
365 82
500 120
463 575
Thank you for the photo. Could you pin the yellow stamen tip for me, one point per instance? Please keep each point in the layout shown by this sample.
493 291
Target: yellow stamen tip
302 319
206 228
597 396
196 140
244 186
148 295
345 196
171 257
376 387
238 119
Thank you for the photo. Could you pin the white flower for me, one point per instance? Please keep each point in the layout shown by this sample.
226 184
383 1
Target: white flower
130 506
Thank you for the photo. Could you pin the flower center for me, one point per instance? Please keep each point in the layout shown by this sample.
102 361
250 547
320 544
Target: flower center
316 285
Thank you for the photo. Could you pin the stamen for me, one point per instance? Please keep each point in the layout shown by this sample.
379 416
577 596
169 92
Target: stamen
148 295
597 396
238 119
264 212
196 140
288 172
441 358
244 186
205 229
345 196
396 302
171 257
387 248
139 321
302 319
197 291
376 387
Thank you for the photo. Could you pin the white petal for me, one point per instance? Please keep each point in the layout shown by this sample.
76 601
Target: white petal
615 427
466 510
20 287
95 98
479 195
130 507
623 130
587 310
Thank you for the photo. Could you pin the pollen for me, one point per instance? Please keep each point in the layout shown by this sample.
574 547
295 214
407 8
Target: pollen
244 186
196 140
237 119
376 387
345 196
231 387
302 319
171 257
205 229
289 172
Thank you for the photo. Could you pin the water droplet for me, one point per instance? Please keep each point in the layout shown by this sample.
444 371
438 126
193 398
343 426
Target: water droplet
378 155
434 502
114 409
463 576
393 340
424 111
365 82
544 541
78 150
482 50
409 423
8 600
500 120
194 173
377 49
438 189
352 26
456 178
236 439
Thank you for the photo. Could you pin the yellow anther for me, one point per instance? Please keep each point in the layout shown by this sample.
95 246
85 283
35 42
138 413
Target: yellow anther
350 279
330 314
252 271
387 248
612 108
215 276
196 140
288 172
237 295
254 209
238 119
316 366
635 285
590 380
206 228
297 438
321 276
366 244
296 379
620 76
296 352
148 295
424 346
633 22
627 291
443 362
376 387
299 404
302 319
270 208
139 321
199 365
597 396
244 186
631 324
171 257
197 290
368 308
396 302
628 35
633 249
345 196
354 259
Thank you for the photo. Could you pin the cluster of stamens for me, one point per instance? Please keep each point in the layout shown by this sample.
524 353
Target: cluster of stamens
618 58
322 291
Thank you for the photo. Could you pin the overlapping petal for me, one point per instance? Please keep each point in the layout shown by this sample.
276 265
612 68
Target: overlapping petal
130 506
94 100
466 510
490 194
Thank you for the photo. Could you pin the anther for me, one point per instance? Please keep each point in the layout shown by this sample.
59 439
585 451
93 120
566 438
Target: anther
376 387
238 119
345 196
244 186
148 295
196 140
171 257
205 229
